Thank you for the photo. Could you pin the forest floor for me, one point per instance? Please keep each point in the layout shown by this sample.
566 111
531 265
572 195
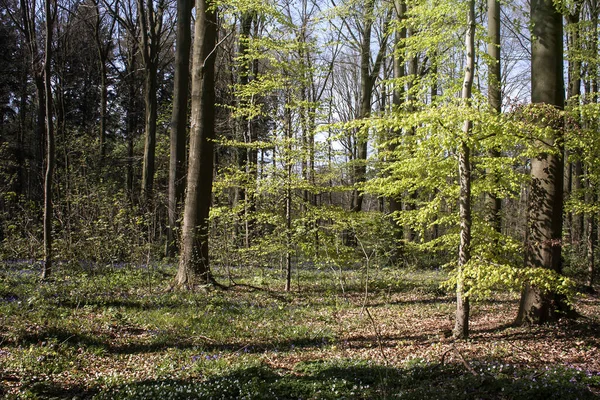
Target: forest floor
119 333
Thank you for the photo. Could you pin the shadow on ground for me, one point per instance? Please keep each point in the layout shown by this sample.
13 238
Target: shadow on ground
351 380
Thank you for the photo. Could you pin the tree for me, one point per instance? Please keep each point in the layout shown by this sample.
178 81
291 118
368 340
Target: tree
461 327
179 120
494 202
150 16
103 40
50 15
368 76
545 211
194 258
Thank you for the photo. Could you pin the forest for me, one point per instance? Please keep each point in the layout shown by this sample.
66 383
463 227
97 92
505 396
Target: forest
299 199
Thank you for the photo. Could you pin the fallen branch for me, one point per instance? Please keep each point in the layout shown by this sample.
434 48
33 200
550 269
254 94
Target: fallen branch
460 356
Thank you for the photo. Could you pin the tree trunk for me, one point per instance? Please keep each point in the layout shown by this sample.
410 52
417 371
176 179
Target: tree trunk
493 202
248 156
461 327
288 196
37 147
131 120
576 219
150 100
592 237
545 212
47 267
151 29
397 101
179 121
194 258
368 77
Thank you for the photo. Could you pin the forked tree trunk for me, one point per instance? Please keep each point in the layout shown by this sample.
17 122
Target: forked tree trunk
461 327
150 20
545 213
368 77
194 258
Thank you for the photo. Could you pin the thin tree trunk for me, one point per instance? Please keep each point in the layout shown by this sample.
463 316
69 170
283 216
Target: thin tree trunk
47 267
194 258
461 327
592 237
150 100
493 202
397 101
575 168
150 36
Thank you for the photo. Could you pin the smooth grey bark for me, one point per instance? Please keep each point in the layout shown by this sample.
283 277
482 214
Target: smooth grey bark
194 264
461 327
395 204
545 210
493 202
179 120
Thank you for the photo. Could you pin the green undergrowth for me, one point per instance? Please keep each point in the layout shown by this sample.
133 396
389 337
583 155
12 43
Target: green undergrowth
359 379
122 333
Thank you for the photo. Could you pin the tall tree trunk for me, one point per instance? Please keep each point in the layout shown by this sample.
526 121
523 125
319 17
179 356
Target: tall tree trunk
461 327
20 186
47 267
150 36
28 14
593 189
288 195
247 157
150 100
194 258
397 101
179 120
493 202
368 77
103 108
575 168
131 120
544 235
103 52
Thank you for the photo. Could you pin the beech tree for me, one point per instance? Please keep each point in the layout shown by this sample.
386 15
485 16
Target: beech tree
493 201
194 264
545 211
179 121
461 327
50 14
